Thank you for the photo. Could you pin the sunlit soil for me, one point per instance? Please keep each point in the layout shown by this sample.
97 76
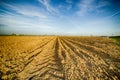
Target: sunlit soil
59 58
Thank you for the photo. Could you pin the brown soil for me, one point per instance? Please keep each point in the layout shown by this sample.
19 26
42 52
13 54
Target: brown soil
58 58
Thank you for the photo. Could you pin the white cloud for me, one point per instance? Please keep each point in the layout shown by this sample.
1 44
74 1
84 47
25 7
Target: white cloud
26 10
69 1
20 22
48 6
103 3
69 6
86 6
32 13
19 17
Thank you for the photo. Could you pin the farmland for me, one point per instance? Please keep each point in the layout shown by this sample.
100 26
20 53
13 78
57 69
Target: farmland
59 58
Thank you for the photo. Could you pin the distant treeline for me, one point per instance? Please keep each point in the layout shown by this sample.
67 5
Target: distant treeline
117 38
13 34
114 36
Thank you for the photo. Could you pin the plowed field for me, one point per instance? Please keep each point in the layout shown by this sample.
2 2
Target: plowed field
59 58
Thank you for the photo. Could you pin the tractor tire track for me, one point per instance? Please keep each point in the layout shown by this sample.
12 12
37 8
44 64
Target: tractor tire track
50 66
105 66
71 69
95 50
32 58
32 54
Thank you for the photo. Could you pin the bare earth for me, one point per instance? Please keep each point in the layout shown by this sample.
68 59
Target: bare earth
58 58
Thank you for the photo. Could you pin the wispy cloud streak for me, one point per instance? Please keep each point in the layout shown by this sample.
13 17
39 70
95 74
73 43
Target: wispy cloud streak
116 13
87 6
48 6
27 10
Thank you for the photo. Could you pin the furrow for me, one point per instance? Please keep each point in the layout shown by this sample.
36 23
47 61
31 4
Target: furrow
96 64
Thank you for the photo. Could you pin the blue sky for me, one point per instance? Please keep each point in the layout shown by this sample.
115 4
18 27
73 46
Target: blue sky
60 17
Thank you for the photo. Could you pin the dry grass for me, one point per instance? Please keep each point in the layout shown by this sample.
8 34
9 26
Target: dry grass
58 58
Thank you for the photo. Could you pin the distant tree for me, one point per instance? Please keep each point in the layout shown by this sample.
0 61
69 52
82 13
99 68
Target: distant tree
13 34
